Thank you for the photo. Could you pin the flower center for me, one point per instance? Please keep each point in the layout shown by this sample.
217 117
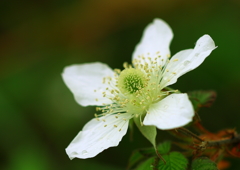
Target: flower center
131 80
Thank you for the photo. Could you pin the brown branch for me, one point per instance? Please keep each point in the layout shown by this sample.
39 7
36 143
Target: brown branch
234 139
189 133
160 156
208 143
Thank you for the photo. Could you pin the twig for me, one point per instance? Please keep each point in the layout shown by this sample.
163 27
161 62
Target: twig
235 139
160 157
215 143
189 133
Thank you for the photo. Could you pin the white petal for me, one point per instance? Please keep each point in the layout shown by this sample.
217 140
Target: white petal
95 137
85 82
187 60
156 38
172 112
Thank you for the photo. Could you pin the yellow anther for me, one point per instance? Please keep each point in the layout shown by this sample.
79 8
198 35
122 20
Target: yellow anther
125 65
117 71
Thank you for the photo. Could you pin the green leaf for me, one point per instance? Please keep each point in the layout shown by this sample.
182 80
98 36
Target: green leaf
203 163
174 161
202 98
139 155
148 132
147 165
164 148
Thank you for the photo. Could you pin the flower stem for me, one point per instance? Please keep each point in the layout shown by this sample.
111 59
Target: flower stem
159 156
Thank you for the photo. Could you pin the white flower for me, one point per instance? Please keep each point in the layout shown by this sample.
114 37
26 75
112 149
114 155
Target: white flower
137 91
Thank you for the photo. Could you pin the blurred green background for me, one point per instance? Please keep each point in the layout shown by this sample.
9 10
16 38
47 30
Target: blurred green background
39 116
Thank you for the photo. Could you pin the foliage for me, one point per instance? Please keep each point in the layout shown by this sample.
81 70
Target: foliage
202 98
169 160
203 163
149 132
174 161
204 151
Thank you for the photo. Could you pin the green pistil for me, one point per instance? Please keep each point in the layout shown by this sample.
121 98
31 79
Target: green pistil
131 80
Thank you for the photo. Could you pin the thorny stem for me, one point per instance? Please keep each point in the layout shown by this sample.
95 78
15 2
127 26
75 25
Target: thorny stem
189 133
155 163
159 156
200 128
234 139
216 143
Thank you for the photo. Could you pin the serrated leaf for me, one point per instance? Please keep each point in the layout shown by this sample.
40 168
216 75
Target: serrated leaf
148 132
202 98
164 148
203 163
147 165
139 155
174 161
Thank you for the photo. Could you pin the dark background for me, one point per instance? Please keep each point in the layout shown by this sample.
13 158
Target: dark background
39 116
